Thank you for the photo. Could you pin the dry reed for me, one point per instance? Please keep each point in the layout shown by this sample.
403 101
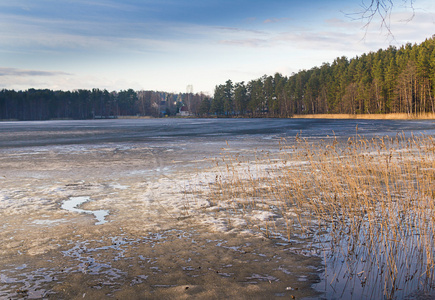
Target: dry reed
392 116
368 205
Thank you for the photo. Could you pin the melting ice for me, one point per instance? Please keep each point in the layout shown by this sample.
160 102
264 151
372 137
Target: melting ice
73 203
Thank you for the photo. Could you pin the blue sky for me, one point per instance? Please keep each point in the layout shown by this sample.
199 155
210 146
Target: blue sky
167 45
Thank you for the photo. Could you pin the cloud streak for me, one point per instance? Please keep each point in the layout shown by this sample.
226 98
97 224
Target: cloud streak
23 72
275 20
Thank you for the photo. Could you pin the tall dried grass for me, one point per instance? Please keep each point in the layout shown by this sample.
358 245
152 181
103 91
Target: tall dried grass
393 116
367 204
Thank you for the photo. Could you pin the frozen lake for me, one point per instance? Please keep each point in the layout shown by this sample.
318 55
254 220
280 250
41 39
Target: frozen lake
173 131
153 239
187 140
168 144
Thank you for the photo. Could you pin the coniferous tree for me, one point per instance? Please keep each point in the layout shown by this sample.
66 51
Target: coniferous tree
240 98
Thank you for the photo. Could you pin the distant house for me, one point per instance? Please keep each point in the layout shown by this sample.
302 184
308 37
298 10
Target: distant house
184 112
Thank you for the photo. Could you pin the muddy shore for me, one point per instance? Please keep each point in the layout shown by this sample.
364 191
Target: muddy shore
157 242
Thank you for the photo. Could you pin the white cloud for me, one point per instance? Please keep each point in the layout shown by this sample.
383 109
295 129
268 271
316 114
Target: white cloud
248 42
339 23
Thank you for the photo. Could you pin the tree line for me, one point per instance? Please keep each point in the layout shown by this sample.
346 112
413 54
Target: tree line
45 104
395 80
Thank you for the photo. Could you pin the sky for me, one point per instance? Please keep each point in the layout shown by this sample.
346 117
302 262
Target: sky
168 45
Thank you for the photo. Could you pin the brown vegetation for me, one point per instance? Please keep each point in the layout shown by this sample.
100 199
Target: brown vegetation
396 116
367 204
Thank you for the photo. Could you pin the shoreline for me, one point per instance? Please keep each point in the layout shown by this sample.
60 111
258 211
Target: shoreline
392 116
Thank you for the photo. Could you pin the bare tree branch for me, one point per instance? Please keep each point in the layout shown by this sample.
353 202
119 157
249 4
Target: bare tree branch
382 9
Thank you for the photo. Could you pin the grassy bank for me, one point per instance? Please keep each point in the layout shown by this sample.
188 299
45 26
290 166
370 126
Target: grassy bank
368 206
423 116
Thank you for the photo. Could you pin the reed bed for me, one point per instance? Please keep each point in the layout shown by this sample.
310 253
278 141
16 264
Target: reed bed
366 205
392 116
